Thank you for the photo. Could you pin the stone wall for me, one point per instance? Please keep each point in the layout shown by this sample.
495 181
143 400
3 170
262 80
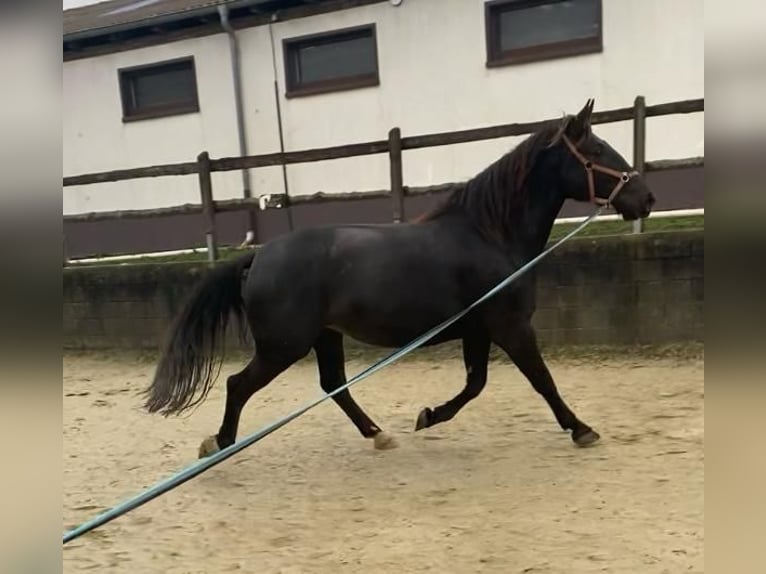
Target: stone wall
645 289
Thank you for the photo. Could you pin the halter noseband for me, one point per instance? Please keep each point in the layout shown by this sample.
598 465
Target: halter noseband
623 177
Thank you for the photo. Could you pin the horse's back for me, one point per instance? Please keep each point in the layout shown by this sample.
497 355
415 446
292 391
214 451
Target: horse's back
381 284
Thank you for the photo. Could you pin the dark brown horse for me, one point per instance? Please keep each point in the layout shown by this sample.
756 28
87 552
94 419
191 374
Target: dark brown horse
387 284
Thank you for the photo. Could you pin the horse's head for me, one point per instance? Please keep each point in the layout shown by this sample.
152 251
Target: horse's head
592 170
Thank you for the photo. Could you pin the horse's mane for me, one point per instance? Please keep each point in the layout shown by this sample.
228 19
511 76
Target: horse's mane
494 196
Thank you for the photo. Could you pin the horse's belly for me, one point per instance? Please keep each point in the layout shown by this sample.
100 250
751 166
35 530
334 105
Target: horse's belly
394 340
392 328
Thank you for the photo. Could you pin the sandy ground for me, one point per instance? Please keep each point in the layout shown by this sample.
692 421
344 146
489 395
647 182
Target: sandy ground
498 489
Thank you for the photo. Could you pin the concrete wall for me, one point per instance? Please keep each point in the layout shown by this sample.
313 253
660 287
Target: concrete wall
644 289
432 78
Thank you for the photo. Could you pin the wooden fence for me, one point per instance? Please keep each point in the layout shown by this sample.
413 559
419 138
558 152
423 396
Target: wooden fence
393 146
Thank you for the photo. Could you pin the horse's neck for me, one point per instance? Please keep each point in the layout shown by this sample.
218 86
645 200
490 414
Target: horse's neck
543 205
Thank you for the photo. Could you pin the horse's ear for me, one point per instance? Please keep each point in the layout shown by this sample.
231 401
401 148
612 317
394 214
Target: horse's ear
581 122
586 111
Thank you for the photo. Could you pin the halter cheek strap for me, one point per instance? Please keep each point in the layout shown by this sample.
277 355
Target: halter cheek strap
623 177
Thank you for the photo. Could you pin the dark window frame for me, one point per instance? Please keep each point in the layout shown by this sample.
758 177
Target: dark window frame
541 52
291 45
125 76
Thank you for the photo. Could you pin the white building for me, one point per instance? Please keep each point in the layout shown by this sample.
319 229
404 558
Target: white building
150 82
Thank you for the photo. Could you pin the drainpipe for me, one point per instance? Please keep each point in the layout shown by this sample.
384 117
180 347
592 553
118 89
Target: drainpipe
223 11
279 123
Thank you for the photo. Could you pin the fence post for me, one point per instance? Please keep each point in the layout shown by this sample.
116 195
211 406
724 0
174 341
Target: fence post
639 146
395 160
208 207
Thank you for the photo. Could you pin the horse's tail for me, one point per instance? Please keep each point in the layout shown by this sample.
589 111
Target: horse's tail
189 364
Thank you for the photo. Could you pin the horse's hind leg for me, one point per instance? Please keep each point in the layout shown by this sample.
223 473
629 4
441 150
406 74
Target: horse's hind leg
475 357
332 374
520 343
239 388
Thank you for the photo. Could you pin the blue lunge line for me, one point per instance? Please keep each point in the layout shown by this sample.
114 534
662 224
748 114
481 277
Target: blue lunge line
204 464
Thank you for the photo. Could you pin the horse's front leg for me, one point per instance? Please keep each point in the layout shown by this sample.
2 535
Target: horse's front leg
475 357
519 341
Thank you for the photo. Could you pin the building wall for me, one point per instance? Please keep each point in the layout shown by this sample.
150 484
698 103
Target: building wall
96 139
432 78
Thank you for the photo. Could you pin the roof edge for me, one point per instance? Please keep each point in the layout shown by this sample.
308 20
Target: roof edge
209 10
76 44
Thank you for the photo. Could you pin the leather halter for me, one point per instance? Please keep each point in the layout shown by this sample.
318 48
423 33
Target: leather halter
623 177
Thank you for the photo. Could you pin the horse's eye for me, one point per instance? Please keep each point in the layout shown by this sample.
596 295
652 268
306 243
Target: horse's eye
599 149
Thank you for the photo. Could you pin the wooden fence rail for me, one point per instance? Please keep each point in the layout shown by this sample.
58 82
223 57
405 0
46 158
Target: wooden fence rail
394 146
371 148
664 164
132 173
227 205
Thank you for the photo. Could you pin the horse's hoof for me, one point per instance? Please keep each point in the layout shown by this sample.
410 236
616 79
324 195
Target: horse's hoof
209 446
588 438
384 441
424 419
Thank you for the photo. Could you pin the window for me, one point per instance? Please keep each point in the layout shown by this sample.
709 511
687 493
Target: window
338 60
157 90
521 31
